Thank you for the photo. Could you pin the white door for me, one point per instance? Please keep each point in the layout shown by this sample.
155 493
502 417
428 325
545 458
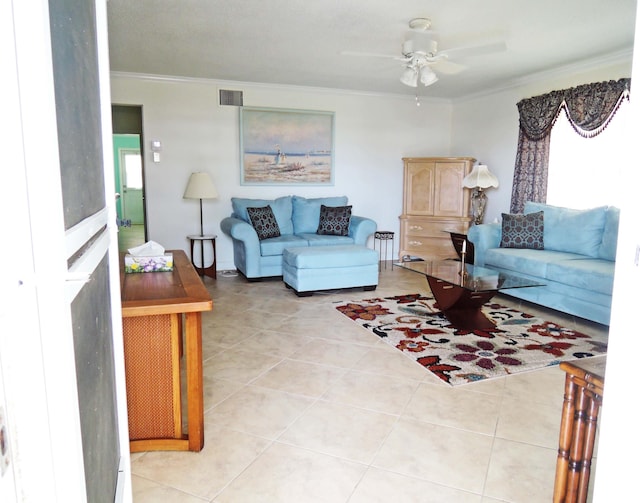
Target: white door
60 259
132 186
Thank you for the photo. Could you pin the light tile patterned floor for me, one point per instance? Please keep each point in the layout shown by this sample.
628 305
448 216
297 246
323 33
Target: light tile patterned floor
303 405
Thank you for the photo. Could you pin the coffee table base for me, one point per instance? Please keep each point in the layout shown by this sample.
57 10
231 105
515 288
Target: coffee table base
462 307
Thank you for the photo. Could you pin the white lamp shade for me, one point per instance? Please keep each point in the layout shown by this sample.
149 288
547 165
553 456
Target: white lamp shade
200 186
409 77
480 176
428 76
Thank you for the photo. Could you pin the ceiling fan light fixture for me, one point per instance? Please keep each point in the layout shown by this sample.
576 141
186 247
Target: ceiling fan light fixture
428 76
409 77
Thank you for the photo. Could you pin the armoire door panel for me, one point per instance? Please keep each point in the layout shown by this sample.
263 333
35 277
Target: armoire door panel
419 189
449 198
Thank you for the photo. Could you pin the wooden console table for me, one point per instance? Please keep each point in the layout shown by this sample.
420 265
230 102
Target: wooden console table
584 386
160 310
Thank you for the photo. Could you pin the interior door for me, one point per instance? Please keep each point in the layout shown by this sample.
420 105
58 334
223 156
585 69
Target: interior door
129 179
131 172
129 175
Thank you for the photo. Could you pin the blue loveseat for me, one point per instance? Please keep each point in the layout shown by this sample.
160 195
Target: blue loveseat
297 218
576 265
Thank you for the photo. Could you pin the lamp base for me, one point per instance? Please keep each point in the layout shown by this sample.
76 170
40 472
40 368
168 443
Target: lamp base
478 204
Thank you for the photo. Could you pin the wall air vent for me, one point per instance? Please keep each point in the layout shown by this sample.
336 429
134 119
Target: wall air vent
230 98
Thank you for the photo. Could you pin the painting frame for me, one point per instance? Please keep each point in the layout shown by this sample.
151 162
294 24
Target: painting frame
283 146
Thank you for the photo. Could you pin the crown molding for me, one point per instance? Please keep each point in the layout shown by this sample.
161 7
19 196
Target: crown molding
624 56
240 85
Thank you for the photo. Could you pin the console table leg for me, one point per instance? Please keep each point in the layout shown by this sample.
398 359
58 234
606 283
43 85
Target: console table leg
195 406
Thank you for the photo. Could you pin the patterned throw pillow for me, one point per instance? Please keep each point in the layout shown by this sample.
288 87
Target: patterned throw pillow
334 220
264 222
523 231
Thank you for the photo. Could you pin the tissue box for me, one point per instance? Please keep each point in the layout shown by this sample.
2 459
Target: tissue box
160 263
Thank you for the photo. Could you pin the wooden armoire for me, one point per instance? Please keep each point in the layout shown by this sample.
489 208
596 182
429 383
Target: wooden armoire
434 204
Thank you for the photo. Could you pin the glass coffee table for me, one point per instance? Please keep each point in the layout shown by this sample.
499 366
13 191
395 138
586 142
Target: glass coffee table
461 290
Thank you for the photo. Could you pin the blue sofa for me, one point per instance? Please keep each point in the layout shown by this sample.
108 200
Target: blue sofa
576 265
297 219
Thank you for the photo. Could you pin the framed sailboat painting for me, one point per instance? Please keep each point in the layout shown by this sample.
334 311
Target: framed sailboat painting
286 147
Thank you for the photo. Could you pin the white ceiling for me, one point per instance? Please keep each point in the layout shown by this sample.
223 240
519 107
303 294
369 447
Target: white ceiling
300 42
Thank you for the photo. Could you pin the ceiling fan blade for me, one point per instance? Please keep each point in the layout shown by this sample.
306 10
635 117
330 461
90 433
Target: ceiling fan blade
475 50
448 67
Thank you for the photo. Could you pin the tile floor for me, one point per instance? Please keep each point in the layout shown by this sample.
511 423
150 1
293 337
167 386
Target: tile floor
303 405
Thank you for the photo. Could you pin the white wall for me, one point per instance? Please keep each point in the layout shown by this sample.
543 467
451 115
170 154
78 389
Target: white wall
488 125
372 134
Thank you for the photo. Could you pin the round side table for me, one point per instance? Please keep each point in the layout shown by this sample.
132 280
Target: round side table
202 270
385 236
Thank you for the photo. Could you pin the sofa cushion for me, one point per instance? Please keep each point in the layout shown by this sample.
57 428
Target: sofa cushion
609 244
589 274
334 220
276 246
523 231
326 240
264 222
569 230
526 261
282 209
306 212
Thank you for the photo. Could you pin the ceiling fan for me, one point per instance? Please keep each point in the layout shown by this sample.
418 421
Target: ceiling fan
421 59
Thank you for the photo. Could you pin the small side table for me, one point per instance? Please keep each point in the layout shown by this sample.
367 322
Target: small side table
202 270
385 236
583 389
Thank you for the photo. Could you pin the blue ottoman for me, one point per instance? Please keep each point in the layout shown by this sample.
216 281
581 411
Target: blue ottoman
308 269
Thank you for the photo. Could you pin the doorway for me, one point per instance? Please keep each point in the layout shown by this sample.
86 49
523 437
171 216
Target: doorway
129 175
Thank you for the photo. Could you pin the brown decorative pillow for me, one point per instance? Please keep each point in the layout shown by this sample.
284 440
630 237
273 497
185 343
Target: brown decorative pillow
523 231
334 220
264 222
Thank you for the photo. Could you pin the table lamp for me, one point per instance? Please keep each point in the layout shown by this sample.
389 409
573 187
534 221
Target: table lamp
479 179
200 187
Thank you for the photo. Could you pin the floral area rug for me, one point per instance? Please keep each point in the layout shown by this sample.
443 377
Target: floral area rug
519 342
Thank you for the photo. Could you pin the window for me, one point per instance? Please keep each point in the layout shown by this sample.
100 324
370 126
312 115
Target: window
588 172
133 169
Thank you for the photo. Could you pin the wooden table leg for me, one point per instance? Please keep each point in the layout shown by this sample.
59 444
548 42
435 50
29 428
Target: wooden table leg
462 307
591 420
195 406
211 270
577 446
582 401
566 433
201 269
